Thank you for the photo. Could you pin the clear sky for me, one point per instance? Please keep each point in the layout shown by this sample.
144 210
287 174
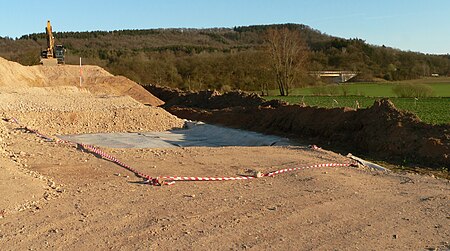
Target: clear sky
416 25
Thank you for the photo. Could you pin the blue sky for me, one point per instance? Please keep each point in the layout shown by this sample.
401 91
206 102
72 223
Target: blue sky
416 25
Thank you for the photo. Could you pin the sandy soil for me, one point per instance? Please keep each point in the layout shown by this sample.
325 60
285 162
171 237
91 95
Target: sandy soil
69 110
94 79
98 205
55 196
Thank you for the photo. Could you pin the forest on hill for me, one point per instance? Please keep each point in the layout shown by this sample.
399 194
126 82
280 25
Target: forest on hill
221 58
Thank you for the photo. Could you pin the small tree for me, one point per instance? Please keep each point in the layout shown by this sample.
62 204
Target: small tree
288 52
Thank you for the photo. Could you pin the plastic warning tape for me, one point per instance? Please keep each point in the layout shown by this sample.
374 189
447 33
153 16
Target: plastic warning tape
269 174
184 178
170 180
305 167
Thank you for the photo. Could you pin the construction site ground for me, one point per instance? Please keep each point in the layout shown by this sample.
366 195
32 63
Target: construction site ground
57 196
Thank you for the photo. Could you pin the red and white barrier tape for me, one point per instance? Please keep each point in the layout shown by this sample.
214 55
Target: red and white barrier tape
314 147
170 180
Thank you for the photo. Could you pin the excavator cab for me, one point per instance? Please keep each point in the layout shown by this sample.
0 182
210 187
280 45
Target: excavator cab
59 53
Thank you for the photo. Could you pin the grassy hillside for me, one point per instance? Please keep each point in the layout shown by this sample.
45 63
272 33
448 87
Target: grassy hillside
222 58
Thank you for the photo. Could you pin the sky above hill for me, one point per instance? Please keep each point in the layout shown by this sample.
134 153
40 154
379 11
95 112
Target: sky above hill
415 25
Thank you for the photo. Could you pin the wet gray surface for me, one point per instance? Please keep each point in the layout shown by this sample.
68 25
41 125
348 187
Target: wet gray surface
195 134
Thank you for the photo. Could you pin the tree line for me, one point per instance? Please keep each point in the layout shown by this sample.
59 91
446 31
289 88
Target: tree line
223 58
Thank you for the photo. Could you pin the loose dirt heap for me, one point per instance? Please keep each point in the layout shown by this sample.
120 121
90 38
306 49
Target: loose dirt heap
49 98
95 79
209 99
382 131
68 110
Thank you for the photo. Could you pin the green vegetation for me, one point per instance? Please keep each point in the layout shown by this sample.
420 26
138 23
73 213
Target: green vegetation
413 90
440 88
221 58
430 110
434 110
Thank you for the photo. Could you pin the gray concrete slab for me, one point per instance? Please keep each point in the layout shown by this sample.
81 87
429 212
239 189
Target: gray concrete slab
194 134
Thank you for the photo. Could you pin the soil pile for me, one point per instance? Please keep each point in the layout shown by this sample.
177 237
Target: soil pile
165 93
381 131
116 120
209 99
95 79
64 98
49 99
15 75
68 110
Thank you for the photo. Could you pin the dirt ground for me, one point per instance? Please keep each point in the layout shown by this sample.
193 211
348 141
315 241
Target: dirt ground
95 204
55 196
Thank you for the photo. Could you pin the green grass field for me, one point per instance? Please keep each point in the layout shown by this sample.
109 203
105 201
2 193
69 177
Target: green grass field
440 86
430 110
434 110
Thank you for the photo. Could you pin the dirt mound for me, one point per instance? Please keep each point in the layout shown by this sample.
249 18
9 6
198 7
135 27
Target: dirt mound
64 98
165 93
15 75
381 131
209 99
68 110
50 99
95 79
84 121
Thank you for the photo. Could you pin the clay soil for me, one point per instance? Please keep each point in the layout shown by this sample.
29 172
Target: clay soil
56 196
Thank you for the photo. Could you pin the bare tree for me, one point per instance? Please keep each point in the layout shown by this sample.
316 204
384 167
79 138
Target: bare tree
288 53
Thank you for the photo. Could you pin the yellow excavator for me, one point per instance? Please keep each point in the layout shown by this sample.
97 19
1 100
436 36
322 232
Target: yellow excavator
53 55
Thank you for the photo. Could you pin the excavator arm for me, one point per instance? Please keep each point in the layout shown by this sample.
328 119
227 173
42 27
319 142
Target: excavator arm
50 40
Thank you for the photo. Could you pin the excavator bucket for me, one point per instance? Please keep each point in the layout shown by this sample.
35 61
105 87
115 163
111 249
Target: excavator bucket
49 61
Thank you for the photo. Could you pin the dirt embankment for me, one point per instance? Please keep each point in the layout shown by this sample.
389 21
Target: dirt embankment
382 131
95 79
209 99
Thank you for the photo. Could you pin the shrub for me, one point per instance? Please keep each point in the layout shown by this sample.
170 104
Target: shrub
413 91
